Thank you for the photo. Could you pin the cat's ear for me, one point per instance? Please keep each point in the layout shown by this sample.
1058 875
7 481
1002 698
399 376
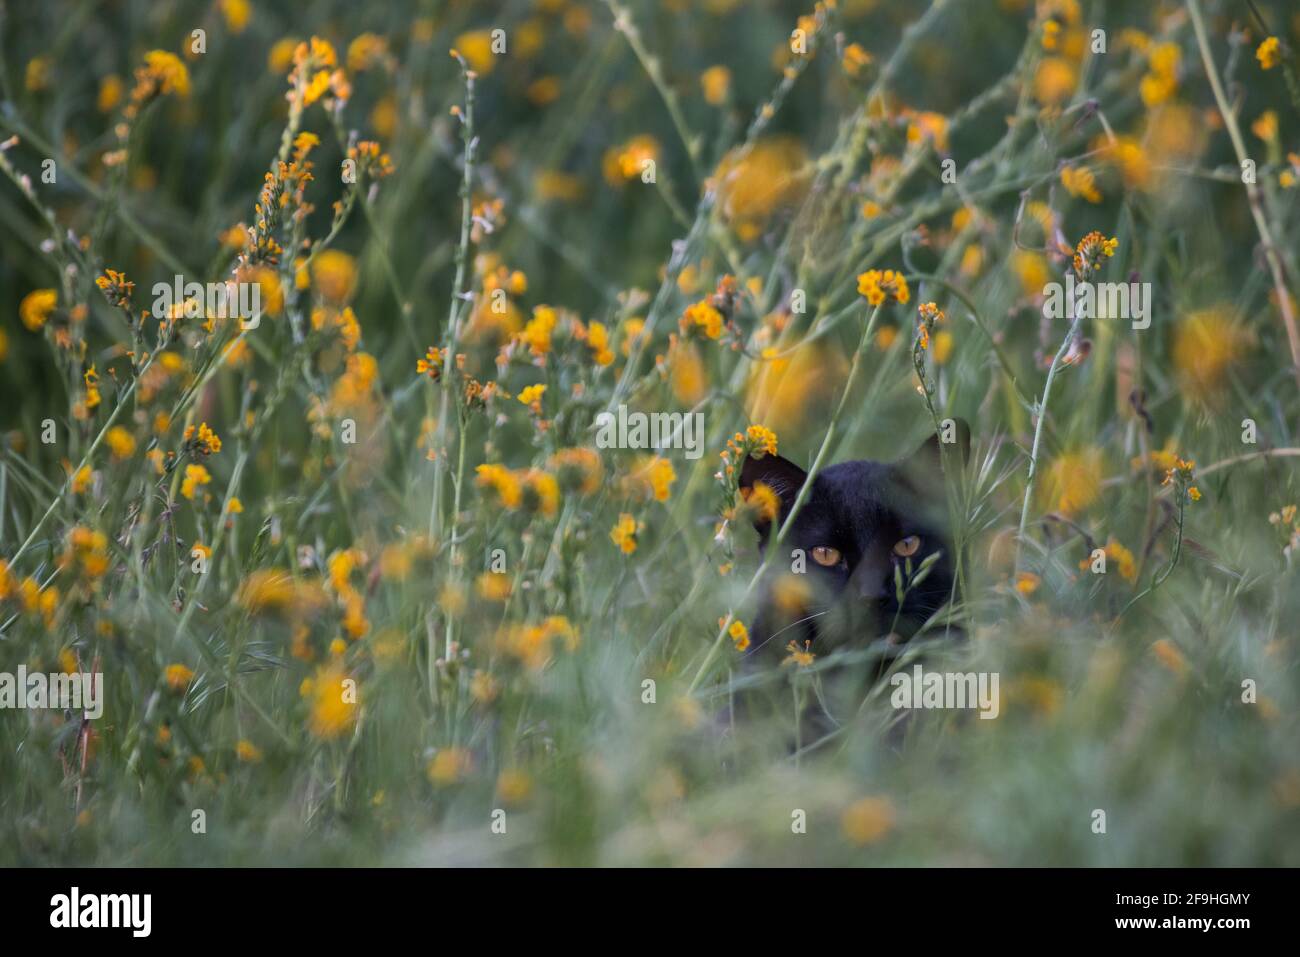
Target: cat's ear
953 434
780 475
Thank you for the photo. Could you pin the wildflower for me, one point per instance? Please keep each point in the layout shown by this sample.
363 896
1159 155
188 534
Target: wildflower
163 73
868 820
762 440
476 47
1079 181
514 787
1073 481
335 275
36 308
1121 556
536 334
432 363
738 634
1090 253
91 378
110 93
493 586
598 343
1269 53
877 286
928 315
855 60
802 657
531 396
754 182
1181 477
763 500
115 287
195 476
629 160
625 531
177 677
578 470
1161 81
247 751
332 702
541 492
237 13
716 84
1265 126
1055 80
366 51
276 590
502 482
1207 343
653 476
201 441
702 317
1027 583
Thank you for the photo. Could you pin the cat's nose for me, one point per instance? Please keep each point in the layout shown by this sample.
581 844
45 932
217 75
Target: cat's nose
872 588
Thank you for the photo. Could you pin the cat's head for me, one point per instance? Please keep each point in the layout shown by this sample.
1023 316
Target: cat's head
863 526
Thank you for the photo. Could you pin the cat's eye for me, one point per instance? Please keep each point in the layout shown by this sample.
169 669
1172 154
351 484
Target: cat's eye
906 547
825 555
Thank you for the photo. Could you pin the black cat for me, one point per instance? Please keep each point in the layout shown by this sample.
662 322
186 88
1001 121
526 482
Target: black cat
867 533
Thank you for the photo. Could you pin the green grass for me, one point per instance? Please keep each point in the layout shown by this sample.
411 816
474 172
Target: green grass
361 560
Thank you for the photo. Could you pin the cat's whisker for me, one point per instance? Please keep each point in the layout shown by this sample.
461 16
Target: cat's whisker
787 628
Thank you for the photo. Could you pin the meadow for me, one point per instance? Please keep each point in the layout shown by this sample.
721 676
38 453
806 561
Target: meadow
359 582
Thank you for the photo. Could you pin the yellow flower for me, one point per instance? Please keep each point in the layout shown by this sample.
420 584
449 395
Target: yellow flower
502 482
541 492
367 50
531 396
514 786
476 47
802 657
716 84
702 316
1265 127
738 634
120 442
537 331
1054 80
765 503
629 160
37 76
248 752
168 72
178 677
1207 343
237 14
195 476
855 60
1027 583
876 286
493 586
868 820
110 93
36 307
280 59
1079 181
761 439
332 702
1269 53
598 343
201 441
1073 481
755 182
624 533
335 275
449 766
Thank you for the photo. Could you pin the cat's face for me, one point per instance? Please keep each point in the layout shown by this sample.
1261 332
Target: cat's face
865 528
